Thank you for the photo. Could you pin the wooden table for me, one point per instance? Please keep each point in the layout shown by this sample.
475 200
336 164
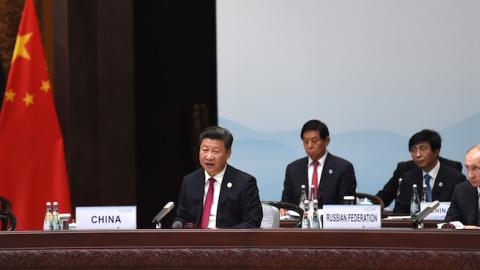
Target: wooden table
397 223
239 249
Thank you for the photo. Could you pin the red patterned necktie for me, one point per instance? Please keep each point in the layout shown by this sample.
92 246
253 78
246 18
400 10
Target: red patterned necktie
315 175
208 204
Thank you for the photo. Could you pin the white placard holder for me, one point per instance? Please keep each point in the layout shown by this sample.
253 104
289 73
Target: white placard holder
438 214
352 217
106 217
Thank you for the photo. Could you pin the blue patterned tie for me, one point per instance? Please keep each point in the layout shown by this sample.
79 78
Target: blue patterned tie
427 178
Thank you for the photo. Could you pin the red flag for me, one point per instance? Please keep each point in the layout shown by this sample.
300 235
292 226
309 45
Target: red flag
32 161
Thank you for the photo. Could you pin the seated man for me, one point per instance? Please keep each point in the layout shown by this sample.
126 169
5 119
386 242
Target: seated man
440 180
218 195
389 192
465 206
331 176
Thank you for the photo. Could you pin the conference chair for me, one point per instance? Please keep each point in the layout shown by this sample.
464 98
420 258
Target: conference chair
288 206
8 221
372 198
271 217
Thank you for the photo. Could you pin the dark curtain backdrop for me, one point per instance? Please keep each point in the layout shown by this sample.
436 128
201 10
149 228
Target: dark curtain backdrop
134 84
175 95
2 82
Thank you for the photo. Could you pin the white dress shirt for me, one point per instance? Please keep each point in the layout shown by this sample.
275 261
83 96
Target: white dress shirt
212 220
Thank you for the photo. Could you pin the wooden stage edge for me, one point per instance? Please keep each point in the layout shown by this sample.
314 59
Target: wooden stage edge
241 249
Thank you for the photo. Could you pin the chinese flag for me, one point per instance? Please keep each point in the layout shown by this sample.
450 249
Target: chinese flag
32 161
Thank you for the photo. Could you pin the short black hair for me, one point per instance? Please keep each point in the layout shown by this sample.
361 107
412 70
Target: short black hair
217 133
315 125
426 135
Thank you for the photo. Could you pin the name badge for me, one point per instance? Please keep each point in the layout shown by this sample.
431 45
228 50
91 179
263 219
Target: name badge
438 214
351 217
106 217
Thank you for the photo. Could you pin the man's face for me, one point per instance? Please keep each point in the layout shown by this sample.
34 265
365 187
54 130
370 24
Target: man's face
424 156
472 165
213 156
315 147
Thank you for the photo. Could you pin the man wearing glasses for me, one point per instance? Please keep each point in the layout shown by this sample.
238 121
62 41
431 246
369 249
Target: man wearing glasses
439 180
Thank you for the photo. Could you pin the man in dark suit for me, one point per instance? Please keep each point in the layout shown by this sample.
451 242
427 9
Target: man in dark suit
218 195
334 176
465 200
389 192
439 180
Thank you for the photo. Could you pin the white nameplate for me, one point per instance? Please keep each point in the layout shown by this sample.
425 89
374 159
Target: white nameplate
438 214
106 217
352 217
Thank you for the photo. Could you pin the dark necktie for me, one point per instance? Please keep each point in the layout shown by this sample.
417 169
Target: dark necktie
427 178
207 207
315 176
478 211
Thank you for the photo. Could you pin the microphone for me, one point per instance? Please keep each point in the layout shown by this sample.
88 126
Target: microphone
180 224
165 210
427 211
177 225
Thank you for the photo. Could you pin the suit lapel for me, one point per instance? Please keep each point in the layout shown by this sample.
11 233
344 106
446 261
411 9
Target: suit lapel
473 197
414 176
439 182
418 179
198 191
327 173
228 180
303 174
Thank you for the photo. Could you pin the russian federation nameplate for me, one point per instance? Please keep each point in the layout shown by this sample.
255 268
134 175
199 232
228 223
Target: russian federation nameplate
352 217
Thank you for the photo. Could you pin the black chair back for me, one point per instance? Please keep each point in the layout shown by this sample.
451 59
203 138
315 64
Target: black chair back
8 221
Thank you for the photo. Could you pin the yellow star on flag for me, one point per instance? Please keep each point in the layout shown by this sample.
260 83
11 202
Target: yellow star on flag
9 95
20 49
46 86
28 99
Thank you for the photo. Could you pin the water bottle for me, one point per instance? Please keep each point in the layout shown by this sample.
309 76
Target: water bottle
47 221
55 220
349 200
303 197
305 219
63 219
424 193
398 189
415 203
315 223
313 196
